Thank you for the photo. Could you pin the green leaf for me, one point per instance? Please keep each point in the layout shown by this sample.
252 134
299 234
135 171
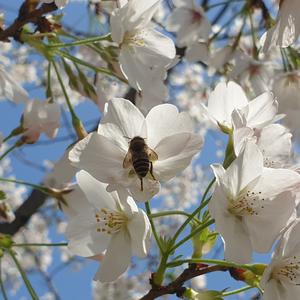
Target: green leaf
87 87
72 77
202 295
166 243
203 242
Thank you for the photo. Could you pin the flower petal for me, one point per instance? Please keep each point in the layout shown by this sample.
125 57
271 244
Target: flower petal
164 120
158 49
265 227
117 258
275 181
173 161
83 238
76 202
224 99
126 116
261 110
139 227
236 241
150 188
126 203
275 143
100 157
245 169
134 70
271 291
95 191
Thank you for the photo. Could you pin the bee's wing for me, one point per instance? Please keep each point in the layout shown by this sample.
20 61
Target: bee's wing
152 154
127 162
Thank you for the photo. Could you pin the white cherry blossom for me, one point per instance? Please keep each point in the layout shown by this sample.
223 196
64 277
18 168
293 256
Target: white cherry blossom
286 89
107 221
141 46
228 107
287 28
254 74
215 59
282 276
166 131
9 89
61 174
274 141
252 204
189 22
40 117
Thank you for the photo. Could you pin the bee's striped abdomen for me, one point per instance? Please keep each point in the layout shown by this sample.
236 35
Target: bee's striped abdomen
141 166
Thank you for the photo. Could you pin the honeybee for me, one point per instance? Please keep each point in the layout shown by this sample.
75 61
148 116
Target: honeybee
140 157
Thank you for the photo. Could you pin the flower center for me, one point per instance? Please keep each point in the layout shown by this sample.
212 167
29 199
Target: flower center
110 221
269 162
196 17
289 271
247 203
134 39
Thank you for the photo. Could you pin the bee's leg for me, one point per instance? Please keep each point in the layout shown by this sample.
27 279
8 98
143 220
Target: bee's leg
142 185
151 170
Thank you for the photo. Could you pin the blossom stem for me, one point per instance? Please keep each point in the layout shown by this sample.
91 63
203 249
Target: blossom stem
208 189
188 237
13 133
148 210
86 64
229 152
49 90
294 58
42 189
40 245
222 263
204 202
77 124
170 213
24 276
189 219
255 50
243 289
285 61
2 284
19 143
159 275
82 42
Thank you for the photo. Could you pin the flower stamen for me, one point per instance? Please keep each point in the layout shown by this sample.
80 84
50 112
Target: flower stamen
289 270
110 221
247 203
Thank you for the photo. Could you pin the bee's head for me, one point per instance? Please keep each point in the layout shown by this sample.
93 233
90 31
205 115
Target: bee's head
137 143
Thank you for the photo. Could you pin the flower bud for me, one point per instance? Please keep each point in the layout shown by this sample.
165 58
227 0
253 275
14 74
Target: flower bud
204 295
203 242
244 275
259 269
5 241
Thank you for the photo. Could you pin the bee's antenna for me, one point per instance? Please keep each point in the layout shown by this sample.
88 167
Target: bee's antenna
126 137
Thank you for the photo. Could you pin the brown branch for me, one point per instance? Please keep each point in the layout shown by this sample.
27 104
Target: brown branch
28 13
24 212
176 286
